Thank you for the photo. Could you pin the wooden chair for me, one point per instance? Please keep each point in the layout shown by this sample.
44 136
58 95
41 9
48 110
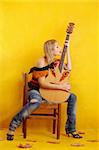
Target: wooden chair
54 112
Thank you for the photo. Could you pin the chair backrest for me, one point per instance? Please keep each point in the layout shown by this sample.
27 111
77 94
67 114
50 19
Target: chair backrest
25 88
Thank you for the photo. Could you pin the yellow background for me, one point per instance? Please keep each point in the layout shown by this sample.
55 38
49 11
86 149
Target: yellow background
24 27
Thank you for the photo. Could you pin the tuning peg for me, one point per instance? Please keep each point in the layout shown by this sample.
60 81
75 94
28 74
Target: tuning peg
71 24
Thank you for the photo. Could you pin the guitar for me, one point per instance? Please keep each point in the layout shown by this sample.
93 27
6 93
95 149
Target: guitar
58 75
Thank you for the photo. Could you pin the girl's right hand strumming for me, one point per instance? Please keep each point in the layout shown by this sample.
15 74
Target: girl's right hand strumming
65 86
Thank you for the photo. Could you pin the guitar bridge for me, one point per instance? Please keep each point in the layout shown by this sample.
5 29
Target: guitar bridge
64 75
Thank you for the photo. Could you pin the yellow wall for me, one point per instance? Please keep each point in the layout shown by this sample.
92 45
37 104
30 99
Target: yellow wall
24 27
98 60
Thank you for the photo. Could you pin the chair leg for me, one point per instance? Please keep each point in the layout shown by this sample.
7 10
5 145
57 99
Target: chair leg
24 129
54 122
58 121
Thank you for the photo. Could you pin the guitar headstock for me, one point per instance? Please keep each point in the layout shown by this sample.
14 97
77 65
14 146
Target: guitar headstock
70 28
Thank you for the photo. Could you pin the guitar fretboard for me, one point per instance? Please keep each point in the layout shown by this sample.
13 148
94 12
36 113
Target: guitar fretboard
64 52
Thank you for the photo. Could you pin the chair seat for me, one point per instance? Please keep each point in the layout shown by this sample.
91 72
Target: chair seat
46 110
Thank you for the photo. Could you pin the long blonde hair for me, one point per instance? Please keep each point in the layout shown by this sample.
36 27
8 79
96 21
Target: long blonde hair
48 48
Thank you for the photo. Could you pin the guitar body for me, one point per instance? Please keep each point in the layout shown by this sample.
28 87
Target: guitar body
58 76
55 96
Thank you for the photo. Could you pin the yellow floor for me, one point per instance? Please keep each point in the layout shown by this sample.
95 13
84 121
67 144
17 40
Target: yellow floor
40 140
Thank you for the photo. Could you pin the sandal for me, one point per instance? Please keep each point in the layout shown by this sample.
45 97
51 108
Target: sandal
10 137
74 135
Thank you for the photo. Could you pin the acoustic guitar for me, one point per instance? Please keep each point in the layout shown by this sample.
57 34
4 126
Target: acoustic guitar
58 75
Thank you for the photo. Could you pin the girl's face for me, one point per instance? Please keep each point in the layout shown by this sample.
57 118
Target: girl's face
57 50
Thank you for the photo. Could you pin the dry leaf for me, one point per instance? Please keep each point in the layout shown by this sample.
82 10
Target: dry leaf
81 132
31 140
77 144
92 140
64 134
53 142
24 146
1 139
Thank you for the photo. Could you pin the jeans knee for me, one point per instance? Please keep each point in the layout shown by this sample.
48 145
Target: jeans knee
73 98
33 106
37 103
30 107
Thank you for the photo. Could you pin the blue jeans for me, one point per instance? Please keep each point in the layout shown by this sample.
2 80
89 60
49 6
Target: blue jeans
70 125
30 107
26 110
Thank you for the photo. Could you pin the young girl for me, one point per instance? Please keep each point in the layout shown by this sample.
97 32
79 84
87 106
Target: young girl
51 50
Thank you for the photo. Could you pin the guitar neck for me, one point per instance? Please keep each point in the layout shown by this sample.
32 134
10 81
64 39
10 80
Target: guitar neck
64 52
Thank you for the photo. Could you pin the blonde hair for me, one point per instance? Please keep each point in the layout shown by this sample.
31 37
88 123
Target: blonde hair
48 48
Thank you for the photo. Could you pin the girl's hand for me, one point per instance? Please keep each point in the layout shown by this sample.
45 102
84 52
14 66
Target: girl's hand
66 86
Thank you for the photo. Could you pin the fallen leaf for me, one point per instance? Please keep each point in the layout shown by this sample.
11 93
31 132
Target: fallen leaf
92 140
77 144
24 145
54 142
1 139
31 140
64 134
81 132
